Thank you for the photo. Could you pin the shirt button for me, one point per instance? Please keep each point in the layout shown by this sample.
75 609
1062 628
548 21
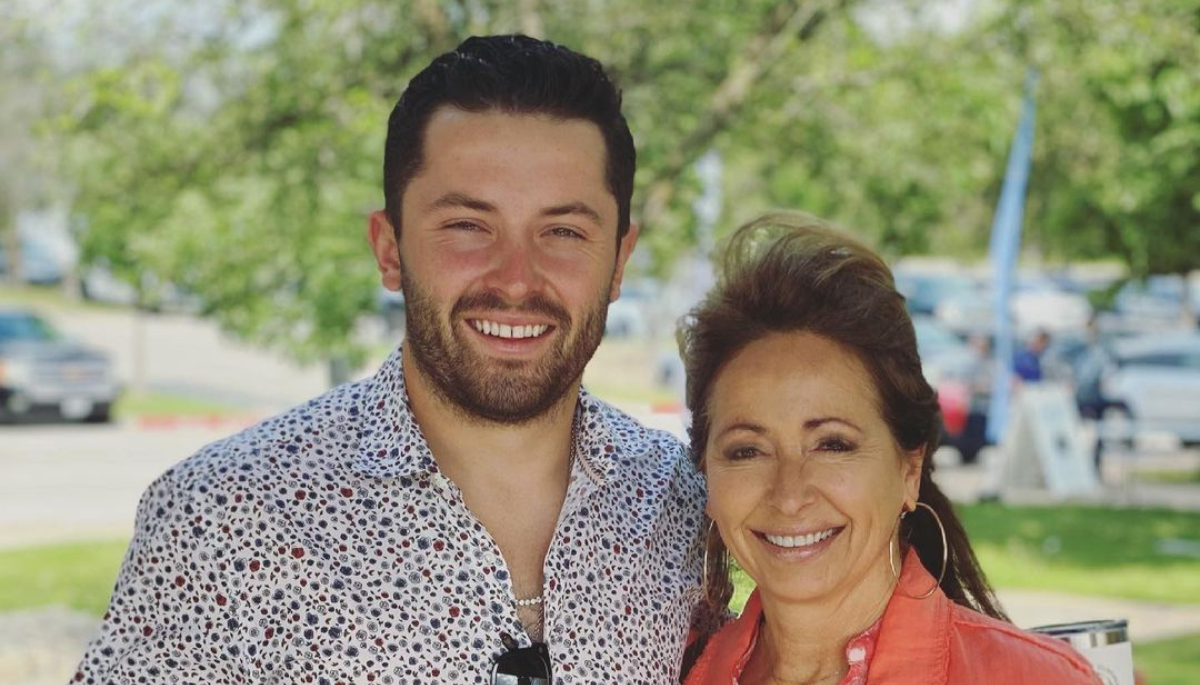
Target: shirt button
856 654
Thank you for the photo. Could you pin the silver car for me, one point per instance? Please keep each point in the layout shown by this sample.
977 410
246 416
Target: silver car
1154 380
43 373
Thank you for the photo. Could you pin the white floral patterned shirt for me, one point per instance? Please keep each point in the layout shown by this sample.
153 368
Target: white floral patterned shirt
324 545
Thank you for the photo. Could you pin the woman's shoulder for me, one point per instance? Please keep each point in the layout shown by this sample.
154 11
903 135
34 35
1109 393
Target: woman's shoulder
982 643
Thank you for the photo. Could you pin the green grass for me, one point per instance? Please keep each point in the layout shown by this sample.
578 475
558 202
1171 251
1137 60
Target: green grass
1098 552
132 405
76 575
1078 550
1086 550
1169 662
46 297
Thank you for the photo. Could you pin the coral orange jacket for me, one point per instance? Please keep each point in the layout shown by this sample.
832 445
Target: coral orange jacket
921 642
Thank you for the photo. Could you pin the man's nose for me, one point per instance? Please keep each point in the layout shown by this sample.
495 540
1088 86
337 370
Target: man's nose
514 270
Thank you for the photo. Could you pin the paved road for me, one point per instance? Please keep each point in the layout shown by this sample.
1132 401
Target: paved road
83 482
184 355
62 482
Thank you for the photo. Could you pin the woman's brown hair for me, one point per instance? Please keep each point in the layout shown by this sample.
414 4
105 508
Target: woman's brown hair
792 272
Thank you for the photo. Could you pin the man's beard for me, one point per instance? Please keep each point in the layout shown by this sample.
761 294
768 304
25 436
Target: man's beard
497 390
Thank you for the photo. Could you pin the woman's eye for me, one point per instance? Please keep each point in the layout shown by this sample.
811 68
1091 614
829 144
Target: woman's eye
835 445
741 453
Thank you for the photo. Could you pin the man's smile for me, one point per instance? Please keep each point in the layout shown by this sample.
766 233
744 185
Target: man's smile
509 331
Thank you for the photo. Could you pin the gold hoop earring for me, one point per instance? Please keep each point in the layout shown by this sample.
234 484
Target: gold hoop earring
945 553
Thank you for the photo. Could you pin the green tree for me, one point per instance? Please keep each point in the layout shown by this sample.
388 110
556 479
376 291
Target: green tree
1116 170
244 167
239 159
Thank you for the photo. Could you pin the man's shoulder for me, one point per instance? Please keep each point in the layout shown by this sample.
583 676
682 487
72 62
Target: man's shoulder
634 437
642 451
320 431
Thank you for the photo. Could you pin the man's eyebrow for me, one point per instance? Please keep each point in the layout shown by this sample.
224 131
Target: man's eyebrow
462 201
581 208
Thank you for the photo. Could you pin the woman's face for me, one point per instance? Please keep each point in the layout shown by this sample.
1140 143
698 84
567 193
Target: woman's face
805 480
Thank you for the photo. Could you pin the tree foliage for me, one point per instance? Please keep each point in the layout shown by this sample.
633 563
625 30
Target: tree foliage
240 159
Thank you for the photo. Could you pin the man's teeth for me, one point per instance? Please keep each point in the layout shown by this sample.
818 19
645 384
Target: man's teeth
503 330
800 540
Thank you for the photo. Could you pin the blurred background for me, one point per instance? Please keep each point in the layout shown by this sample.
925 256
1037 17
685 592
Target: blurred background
184 188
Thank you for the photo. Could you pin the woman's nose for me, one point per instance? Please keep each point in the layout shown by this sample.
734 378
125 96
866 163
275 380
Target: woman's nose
791 487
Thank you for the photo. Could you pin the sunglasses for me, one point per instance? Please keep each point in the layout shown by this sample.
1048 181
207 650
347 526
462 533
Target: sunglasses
522 666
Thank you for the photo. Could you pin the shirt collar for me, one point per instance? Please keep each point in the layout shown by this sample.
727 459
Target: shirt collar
391 443
393 446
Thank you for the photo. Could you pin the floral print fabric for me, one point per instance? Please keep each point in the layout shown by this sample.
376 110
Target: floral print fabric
325 546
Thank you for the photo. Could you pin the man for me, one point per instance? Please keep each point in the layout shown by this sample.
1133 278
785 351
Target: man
1027 362
441 520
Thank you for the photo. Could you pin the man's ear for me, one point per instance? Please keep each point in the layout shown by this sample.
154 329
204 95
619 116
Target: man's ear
624 249
382 237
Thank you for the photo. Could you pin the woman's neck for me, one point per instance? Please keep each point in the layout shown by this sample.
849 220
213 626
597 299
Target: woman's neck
804 643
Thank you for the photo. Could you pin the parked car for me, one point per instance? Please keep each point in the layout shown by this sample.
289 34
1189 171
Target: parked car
43 372
960 372
1155 303
40 263
1152 381
924 291
628 316
1040 304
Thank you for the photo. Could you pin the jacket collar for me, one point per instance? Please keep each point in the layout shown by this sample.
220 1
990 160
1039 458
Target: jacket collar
729 650
914 640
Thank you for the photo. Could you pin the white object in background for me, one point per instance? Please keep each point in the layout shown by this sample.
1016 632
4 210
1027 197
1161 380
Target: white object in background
1046 445
1104 643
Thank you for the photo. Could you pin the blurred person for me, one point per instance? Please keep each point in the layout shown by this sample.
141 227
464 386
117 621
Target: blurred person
1027 362
470 513
816 430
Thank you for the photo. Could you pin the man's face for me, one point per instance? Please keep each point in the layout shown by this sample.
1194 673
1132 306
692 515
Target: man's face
508 258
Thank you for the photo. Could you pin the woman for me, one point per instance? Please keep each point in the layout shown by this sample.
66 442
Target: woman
816 429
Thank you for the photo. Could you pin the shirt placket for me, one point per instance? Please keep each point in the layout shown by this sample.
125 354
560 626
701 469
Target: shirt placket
443 487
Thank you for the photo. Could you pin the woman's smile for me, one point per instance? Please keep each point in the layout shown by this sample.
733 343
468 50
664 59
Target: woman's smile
799 547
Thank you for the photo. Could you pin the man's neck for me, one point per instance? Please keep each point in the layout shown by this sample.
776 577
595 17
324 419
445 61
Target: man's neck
533 453
513 478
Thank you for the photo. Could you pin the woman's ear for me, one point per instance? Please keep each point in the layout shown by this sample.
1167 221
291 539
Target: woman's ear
914 462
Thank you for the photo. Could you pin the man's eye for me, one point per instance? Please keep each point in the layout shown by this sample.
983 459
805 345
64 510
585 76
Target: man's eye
565 232
464 226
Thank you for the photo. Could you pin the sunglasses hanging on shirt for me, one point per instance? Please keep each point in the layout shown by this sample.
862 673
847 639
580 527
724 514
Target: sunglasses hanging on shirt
521 665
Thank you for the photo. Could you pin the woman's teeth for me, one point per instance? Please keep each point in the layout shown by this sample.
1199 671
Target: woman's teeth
503 330
799 540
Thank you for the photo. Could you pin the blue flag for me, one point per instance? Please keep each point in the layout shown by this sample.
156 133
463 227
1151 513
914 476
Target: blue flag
1003 249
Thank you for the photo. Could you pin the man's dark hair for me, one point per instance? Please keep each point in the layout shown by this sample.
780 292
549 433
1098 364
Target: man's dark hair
512 74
